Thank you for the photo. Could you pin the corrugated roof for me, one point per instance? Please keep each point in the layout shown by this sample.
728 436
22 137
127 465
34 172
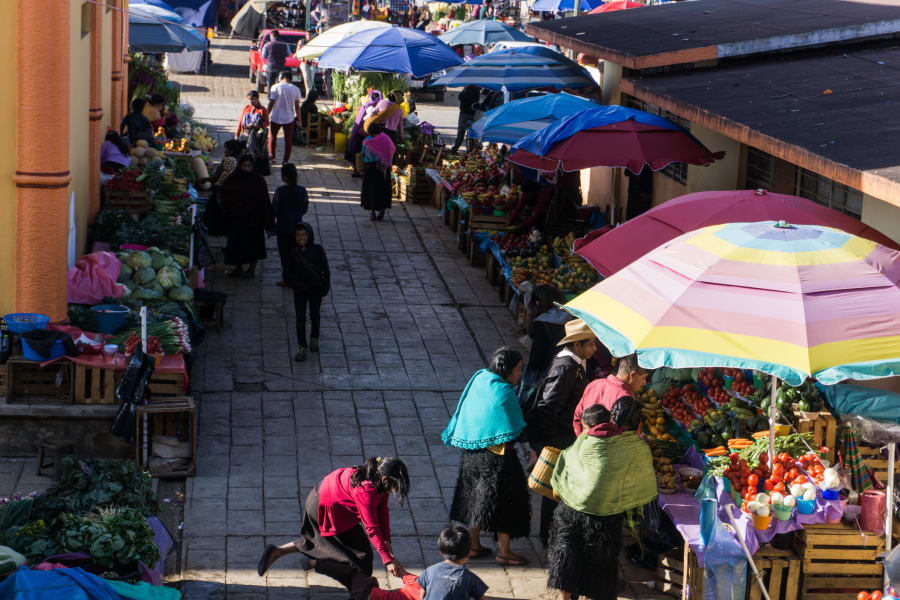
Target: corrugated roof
684 32
837 112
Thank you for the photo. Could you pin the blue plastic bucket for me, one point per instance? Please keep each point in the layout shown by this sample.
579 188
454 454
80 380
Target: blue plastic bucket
109 318
806 507
831 494
57 351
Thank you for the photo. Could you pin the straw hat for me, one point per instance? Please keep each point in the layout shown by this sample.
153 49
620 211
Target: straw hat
576 331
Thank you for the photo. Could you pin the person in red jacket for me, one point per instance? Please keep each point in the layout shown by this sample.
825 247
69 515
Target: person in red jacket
347 510
628 380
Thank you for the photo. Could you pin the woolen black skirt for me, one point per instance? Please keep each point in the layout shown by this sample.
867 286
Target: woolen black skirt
492 493
376 188
584 553
351 547
245 243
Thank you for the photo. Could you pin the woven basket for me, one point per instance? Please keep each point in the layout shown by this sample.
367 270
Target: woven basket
539 479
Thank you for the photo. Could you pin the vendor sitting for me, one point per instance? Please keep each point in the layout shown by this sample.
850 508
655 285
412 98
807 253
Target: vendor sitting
114 153
534 205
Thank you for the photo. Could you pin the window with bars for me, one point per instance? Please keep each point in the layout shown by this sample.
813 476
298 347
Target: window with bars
760 167
676 171
828 192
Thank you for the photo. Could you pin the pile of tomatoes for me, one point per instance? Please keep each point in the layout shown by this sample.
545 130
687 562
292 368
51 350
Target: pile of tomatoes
692 397
876 595
740 385
785 471
680 412
812 464
744 479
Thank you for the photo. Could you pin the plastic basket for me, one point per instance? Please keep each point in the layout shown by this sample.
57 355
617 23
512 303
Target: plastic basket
109 318
24 322
29 354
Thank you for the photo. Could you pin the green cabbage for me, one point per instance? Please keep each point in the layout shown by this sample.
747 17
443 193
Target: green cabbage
168 277
181 259
144 275
139 259
126 273
182 293
159 260
158 291
145 293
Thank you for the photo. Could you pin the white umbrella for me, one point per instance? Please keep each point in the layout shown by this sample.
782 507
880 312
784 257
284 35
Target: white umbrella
319 44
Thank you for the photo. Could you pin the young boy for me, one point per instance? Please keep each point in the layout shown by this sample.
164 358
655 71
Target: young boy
308 273
290 203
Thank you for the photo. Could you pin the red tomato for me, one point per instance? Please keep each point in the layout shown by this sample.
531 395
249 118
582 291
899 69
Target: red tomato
776 478
800 479
769 485
746 509
753 480
793 474
778 469
863 595
750 496
779 487
876 595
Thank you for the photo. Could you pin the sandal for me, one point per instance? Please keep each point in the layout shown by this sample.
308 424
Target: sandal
482 552
263 565
512 561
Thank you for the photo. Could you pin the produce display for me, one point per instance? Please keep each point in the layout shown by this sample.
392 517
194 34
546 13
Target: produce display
127 180
653 417
182 146
143 155
168 337
201 140
155 275
665 456
533 259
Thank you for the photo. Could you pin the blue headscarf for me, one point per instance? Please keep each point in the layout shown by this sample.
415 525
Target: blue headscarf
488 414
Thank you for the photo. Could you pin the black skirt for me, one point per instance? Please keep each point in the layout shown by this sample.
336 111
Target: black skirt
492 493
376 188
351 547
245 243
584 553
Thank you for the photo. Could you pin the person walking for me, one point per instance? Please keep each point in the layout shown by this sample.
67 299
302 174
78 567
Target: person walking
358 131
491 489
245 204
275 53
254 114
253 128
289 204
378 156
550 419
284 108
468 100
309 276
606 475
344 513
630 378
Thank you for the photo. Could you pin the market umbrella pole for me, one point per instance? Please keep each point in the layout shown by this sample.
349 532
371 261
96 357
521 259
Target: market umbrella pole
772 412
144 349
740 538
889 505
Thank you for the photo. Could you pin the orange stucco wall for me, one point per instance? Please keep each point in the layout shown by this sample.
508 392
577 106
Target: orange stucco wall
9 106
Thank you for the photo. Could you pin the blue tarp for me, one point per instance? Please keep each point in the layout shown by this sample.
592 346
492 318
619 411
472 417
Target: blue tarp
510 122
152 36
847 400
394 50
58 584
554 5
540 142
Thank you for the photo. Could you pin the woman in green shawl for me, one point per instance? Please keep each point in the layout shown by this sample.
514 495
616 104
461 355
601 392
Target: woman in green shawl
491 489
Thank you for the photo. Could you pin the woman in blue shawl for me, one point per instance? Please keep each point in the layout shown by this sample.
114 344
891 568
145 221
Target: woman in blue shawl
491 489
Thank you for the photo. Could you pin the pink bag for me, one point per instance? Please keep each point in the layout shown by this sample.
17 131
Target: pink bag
94 277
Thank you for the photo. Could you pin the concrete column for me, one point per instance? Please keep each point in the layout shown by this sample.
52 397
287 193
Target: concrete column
119 20
95 112
42 163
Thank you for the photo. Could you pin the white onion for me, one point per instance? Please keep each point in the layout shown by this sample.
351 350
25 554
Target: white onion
790 501
809 495
753 506
777 498
763 498
796 489
763 510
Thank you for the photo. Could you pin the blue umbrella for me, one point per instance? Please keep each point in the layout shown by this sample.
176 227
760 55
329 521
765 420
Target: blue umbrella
508 123
519 69
483 32
156 9
555 5
395 50
153 36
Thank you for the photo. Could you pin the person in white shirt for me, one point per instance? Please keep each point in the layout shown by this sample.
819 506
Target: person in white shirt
284 108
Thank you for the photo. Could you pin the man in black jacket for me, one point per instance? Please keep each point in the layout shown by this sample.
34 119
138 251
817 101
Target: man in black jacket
468 99
310 277
550 420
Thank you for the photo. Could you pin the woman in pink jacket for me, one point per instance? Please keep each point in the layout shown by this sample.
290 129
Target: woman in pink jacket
347 511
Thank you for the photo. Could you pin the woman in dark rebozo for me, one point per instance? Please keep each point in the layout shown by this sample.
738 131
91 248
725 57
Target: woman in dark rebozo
358 132
605 475
344 513
491 489
378 155
246 206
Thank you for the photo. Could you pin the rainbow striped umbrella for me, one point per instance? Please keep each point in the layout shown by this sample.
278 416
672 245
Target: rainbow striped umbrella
792 301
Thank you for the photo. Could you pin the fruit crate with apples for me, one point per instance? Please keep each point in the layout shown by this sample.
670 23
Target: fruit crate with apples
837 560
824 429
781 572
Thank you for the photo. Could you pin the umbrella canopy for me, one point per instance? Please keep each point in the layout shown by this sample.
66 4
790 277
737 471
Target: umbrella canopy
790 300
394 49
483 32
510 122
617 5
153 36
327 39
156 9
610 136
555 5
619 247
519 69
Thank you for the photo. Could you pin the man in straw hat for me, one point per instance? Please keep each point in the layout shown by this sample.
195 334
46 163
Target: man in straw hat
550 420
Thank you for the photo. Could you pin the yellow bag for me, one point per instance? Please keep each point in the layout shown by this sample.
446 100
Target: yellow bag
539 479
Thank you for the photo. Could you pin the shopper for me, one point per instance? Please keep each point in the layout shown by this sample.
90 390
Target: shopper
550 419
275 53
604 476
245 204
254 114
346 512
468 101
309 276
289 205
378 156
135 126
114 153
389 115
358 132
491 490
630 378
284 108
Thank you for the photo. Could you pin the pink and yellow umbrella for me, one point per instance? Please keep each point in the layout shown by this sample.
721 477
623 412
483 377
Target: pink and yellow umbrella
790 300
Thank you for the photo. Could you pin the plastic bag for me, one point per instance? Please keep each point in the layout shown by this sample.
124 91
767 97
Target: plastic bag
133 390
725 565
93 278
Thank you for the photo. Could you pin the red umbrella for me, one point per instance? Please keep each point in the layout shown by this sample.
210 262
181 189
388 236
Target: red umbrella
628 143
616 5
609 252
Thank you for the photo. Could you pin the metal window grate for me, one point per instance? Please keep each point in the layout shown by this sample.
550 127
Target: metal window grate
828 192
760 168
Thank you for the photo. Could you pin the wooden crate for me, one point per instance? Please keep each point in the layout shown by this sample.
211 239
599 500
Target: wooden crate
170 416
486 223
135 202
3 380
679 575
780 570
837 558
878 462
824 430
29 383
476 256
455 216
97 385
417 191
492 269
